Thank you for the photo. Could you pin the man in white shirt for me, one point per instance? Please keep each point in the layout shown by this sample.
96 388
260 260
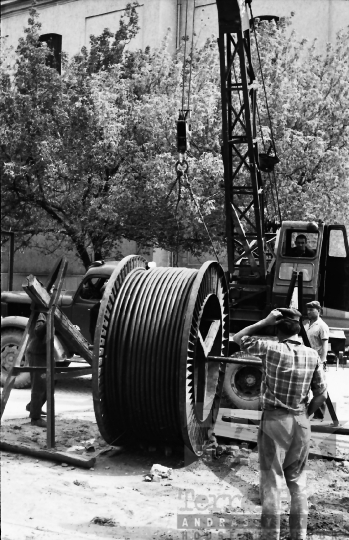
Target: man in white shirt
317 330
318 334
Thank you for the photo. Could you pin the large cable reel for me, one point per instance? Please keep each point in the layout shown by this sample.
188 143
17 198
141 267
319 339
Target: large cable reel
156 327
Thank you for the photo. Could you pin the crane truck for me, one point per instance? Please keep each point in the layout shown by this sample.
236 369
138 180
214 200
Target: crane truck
261 263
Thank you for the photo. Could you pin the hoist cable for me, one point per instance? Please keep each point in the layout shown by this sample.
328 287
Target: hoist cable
276 205
268 111
277 197
185 52
272 194
260 127
191 59
200 214
263 82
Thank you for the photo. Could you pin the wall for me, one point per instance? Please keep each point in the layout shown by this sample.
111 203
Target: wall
313 19
75 20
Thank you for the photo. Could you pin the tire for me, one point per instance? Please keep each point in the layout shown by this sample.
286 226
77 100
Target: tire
10 340
241 387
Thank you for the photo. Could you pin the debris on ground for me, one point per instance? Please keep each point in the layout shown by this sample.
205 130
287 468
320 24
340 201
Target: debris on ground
158 473
105 522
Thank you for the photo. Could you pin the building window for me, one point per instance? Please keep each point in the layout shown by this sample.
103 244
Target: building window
54 42
267 18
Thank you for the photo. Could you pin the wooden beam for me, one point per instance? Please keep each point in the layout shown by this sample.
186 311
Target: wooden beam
325 445
61 457
50 360
337 429
41 297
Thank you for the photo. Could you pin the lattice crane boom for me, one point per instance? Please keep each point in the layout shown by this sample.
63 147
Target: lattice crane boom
244 198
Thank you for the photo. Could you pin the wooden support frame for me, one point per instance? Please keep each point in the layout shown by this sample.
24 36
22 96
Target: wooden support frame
24 342
45 300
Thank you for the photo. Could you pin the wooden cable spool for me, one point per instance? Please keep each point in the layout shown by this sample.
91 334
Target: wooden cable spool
155 328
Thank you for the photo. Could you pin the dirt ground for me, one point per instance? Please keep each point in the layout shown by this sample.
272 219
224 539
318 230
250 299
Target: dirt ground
43 500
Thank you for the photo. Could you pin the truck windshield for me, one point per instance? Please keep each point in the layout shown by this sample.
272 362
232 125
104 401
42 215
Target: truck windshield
287 268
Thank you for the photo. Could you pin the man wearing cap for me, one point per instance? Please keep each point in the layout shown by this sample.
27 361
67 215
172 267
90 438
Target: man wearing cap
317 330
318 333
290 371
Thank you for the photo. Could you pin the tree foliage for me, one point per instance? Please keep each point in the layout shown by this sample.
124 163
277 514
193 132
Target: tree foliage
308 95
90 155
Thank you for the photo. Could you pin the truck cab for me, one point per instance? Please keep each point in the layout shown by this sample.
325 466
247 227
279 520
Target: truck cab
322 255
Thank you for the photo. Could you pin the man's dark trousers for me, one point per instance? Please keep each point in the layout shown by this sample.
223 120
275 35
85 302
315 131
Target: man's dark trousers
38 384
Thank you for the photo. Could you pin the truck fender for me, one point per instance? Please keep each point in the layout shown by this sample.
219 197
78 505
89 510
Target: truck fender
61 353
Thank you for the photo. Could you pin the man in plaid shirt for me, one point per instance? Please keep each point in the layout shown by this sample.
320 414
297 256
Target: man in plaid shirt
290 370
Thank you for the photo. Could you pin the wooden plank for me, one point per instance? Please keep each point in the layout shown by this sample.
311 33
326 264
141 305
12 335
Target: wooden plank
78 372
41 297
241 432
329 446
61 457
240 416
32 369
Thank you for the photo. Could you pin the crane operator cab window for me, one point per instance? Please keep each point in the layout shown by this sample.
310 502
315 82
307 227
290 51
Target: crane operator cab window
298 245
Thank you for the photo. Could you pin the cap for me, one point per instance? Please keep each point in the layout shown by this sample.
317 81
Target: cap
314 304
290 313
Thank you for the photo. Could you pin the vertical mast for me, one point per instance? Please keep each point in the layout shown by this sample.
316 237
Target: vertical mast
242 177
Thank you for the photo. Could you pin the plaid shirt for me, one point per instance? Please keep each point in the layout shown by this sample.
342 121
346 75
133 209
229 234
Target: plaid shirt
290 370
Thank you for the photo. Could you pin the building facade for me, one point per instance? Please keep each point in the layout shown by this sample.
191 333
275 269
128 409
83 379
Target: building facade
71 22
76 20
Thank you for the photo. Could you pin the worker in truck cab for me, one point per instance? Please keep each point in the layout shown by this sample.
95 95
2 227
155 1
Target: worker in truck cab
301 249
290 371
318 334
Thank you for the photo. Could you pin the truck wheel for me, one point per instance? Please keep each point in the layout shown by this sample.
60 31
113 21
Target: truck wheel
10 340
241 386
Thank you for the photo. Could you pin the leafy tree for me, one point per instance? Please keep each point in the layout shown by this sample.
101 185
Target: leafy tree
55 170
308 95
90 156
